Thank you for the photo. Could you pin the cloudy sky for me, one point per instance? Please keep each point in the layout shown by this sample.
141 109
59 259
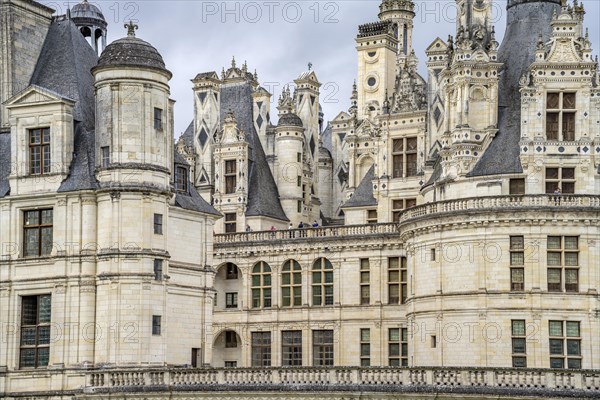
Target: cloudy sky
277 38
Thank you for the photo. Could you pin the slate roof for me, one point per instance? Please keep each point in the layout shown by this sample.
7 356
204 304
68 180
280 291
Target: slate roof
81 174
526 18
326 138
131 51
290 119
363 195
263 195
4 163
64 67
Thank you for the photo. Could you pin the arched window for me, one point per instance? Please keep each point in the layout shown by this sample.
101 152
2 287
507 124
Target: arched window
322 283
261 285
291 284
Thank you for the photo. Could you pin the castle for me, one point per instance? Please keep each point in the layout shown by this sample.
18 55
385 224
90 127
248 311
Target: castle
440 236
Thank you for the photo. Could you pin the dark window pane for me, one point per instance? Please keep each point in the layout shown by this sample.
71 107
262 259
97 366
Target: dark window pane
556 346
553 101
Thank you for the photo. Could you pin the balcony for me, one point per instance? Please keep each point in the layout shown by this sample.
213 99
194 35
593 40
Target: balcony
495 203
540 382
326 233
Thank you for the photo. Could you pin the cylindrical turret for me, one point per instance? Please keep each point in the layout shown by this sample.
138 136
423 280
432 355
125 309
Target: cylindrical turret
91 23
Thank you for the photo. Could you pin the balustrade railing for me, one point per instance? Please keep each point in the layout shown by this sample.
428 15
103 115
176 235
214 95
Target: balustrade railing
278 378
468 204
307 233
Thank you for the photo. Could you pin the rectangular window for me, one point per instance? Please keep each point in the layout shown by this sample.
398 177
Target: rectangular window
565 344
519 345
299 157
563 261
230 223
365 347
433 341
35 331
158 224
231 300
399 205
158 270
371 216
398 347
365 281
37 235
230 364
560 178
156 325
323 348
39 151
299 206
404 157
393 280
517 187
181 179
432 254
230 176
230 340
397 280
517 258
560 116
291 348
105 154
158 116
261 349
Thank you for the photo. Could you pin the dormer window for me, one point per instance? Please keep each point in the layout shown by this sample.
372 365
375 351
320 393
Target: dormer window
560 116
39 151
158 122
181 179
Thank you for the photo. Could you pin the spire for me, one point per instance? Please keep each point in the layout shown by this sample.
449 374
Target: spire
233 65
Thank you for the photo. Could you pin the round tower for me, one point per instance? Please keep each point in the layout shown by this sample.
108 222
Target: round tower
134 159
402 12
290 153
91 23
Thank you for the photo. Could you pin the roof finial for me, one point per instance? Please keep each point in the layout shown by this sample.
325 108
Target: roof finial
233 62
131 28
310 65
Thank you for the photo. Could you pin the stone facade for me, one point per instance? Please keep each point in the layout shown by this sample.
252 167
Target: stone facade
438 239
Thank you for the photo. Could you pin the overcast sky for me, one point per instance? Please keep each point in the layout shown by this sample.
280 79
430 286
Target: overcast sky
277 38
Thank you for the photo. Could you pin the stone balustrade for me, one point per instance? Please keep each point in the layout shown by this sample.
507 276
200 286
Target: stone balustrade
501 202
332 232
386 379
440 207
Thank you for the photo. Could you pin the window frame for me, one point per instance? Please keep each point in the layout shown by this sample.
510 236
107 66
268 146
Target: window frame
230 176
322 291
42 332
563 268
262 294
42 228
105 156
564 339
323 348
399 205
293 270
397 280
43 165
365 347
561 112
181 179
158 224
518 339
158 269
230 222
365 281
231 300
158 119
231 340
291 348
403 154
261 353
156 325
566 185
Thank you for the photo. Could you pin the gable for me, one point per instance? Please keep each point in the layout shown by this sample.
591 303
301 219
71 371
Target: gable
36 95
